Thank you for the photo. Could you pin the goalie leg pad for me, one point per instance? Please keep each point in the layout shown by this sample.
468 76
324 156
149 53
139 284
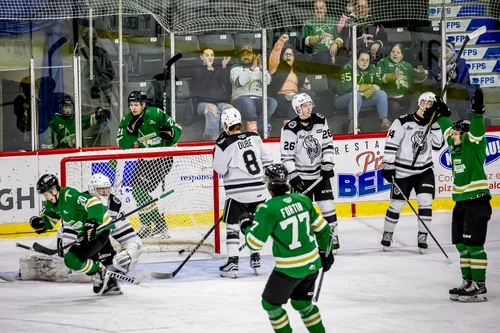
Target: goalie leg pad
40 267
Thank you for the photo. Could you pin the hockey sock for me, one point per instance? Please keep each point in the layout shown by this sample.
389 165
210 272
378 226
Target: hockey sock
327 209
478 262
310 315
424 201
392 215
74 263
464 261
278 317
232 240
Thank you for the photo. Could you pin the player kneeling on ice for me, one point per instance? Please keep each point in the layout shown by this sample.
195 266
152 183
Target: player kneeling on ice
83 214
241 158
307 153
301 237
471 194
401 144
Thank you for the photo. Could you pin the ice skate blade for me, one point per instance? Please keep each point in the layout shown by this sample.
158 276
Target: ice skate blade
256 271
231 275
454 297
470 299
421 251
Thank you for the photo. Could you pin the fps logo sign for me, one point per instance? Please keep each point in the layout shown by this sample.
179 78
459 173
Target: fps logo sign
492 152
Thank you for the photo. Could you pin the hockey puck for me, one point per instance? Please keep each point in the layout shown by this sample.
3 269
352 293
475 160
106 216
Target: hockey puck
182 251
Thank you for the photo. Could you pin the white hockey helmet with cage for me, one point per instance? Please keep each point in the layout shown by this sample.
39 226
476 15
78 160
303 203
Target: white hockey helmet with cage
426 97
230 117
300 99
99 187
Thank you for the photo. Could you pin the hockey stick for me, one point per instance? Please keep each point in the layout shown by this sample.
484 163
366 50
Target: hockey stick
169 275
129 279
6 278
166 76
476 33
40 248
419 218
322 274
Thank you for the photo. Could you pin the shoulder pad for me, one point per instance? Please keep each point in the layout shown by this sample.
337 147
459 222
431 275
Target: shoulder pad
292 125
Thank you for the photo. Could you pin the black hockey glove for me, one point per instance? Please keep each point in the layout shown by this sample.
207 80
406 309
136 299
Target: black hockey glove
326 261
90 231
389 172
102 114
134 124
38 224
478 102
297 182
441 109
327 171
245 220
166 133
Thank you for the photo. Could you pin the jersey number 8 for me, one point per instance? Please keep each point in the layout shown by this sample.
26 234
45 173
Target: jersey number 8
251 162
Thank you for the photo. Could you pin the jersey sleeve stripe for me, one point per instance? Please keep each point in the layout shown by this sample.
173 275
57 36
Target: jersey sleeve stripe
92 202
253 242
447 132
51 220
475 139
319 224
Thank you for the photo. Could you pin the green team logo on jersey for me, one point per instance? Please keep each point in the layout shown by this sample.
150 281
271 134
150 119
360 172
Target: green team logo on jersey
458 167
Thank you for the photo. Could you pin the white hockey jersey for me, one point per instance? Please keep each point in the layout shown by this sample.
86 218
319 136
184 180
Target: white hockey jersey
305 148
402 143
241 158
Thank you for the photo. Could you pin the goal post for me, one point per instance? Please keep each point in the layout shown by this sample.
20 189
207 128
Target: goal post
175 223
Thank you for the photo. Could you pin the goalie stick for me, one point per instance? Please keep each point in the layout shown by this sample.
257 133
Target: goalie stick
40 248
6 278
476 33
169 275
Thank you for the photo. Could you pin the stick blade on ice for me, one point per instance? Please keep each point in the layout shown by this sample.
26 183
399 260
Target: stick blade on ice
159 275
478 32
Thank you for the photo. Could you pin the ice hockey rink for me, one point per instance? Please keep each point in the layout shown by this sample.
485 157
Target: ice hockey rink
367 290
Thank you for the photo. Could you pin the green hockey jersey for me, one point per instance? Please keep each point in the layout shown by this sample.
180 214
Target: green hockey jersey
148 136
386 70
367 76
469 178
314 28
74 208
292 222
61 132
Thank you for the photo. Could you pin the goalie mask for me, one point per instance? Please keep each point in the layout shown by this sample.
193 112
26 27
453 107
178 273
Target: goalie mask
66 107
230 117
300 99
99 187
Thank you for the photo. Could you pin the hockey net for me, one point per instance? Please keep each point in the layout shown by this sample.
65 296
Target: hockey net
174 223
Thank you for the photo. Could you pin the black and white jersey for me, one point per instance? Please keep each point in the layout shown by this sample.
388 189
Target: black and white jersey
402 143
305 148
241 158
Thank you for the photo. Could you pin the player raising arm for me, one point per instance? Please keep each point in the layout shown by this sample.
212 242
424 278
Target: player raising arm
469 223
307 153
301 237
241 158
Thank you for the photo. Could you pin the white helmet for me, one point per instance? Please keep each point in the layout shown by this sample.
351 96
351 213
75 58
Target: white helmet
100 181
300 99
229 118
426 97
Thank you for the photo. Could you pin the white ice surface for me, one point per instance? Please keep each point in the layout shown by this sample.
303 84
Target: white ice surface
367 290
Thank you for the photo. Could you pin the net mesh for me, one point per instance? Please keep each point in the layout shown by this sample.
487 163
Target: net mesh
176 222
197 16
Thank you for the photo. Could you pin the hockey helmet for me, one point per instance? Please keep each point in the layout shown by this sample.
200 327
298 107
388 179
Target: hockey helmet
229 118
300 99
462 126
137 96
46 182
66 106
99 181
276 173
426 97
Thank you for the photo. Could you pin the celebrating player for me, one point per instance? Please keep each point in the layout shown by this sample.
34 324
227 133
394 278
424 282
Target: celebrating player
401 144
307 153
472 197
82 213
292 222
241 158
150 127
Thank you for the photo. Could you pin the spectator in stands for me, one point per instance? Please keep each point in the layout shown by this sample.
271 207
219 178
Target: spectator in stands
288 79
246 81
369 93
211 90
460 91
369 36
397 77
321 36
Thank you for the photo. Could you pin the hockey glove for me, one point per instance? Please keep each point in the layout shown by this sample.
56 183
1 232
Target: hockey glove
166 133
134 124
102 114
245 220
90 231
297 182
326 261
478 102
327 171
389 172
440 108
38 224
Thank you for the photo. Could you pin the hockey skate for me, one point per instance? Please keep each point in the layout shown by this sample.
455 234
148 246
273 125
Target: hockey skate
422 242
336 244
112 288
100 279
386 239
461 288
255 262
476 292
230 269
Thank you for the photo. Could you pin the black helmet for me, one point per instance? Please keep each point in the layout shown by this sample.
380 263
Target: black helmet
276 174
66 101
46 182
461 125
137 96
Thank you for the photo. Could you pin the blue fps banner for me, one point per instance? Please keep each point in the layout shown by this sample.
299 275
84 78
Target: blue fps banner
486 80
483 66
458 11
489 37
481 52
466 24
492 152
